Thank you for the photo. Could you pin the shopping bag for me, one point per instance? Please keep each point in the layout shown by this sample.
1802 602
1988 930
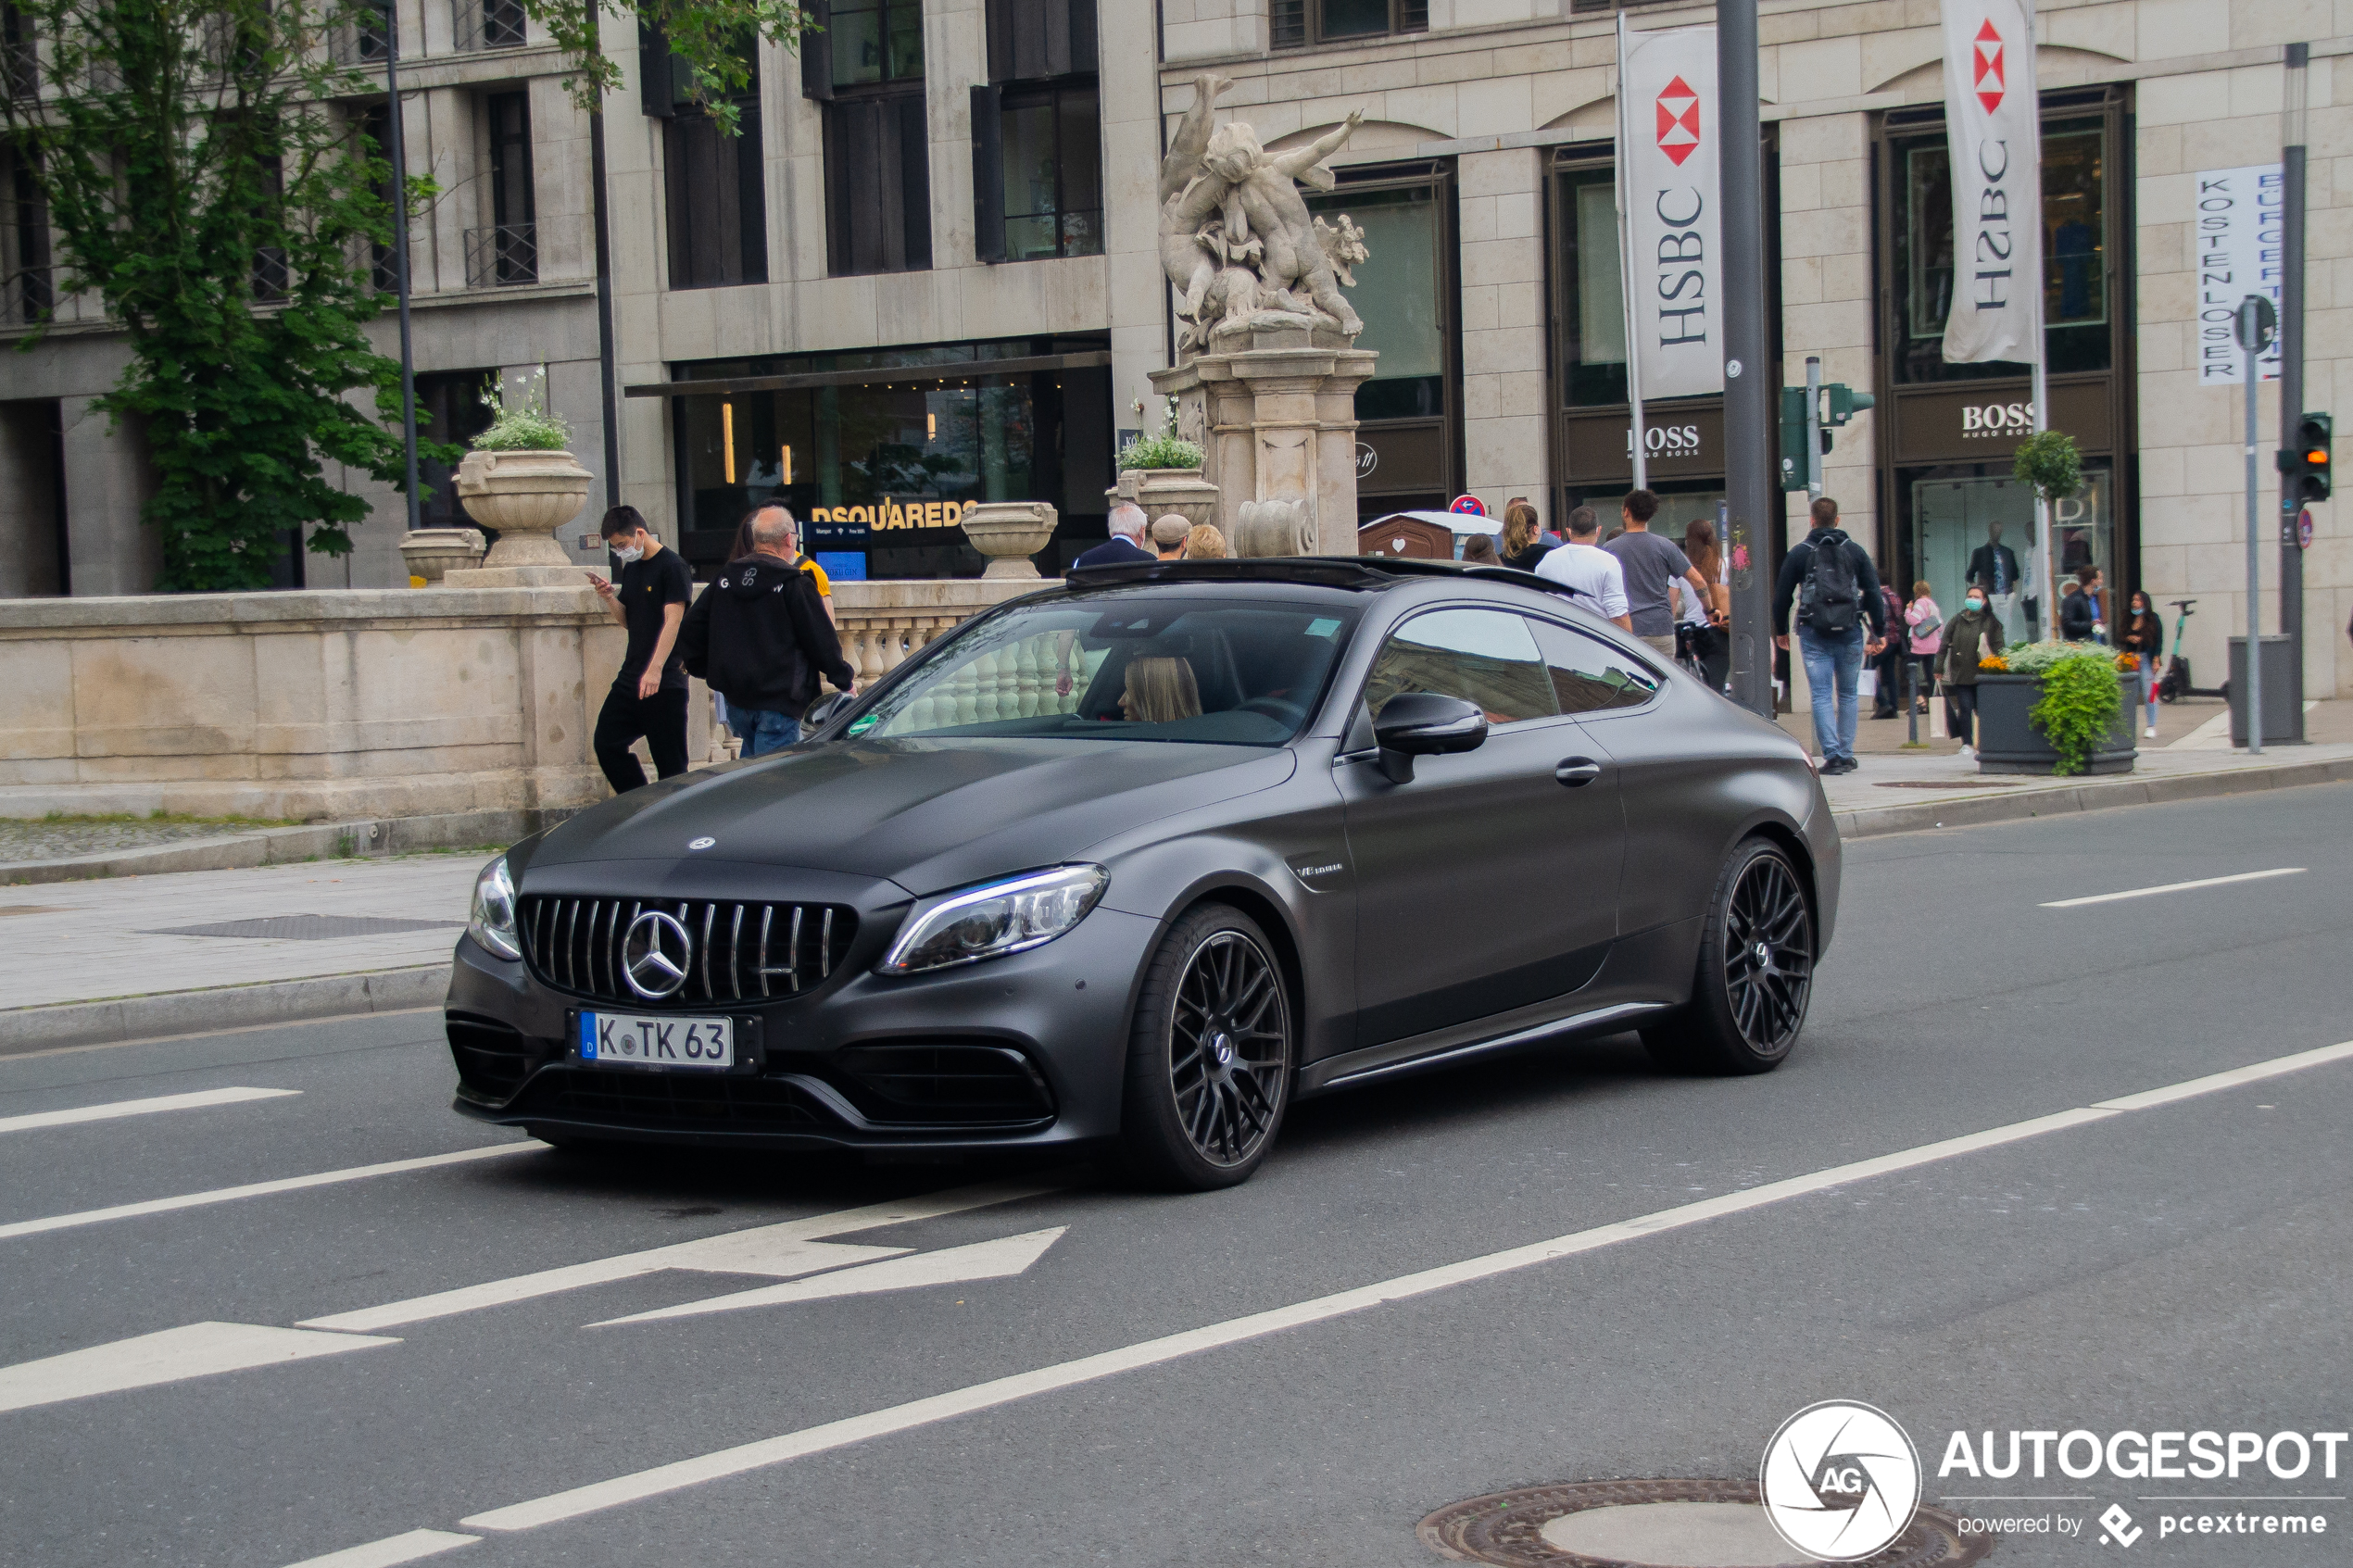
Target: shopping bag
1868 687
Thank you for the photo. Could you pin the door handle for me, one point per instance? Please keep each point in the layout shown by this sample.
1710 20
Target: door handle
1577 771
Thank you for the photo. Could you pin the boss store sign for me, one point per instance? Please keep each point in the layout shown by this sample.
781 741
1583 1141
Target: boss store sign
1683 441
1987 421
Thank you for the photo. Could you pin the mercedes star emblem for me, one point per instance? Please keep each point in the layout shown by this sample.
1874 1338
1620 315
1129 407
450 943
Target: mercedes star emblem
700 843
655 954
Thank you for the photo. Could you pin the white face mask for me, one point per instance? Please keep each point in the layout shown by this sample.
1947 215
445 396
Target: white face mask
632 554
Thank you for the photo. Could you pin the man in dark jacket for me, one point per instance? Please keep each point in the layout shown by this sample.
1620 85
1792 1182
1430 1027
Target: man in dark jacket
1830 635
2080 618
760 636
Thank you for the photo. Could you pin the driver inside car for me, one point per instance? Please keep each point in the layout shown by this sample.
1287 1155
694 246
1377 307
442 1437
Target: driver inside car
1160 691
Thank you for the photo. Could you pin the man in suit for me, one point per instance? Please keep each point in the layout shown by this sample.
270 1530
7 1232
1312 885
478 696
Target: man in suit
1129 529
1993 565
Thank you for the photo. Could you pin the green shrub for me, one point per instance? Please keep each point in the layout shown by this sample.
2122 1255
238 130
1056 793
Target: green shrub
1160 452
2081 700
2049 461
524 427
2032 658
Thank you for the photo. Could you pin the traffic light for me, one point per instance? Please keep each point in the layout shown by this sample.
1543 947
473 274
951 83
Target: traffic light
2304 467
1844 404
1840 404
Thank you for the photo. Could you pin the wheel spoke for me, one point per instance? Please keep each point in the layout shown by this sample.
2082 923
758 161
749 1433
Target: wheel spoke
1229 988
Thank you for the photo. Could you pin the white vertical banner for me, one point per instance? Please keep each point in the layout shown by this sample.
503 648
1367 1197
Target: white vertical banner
1667 167
2242 249
1991 117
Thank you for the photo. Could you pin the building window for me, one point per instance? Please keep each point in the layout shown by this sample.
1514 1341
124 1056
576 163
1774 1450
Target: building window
877 184
507 251
715 191
487 24
877 452
877 41
25 293
449 409
2075 252
1038 171
1593 328
1404 292
1294 24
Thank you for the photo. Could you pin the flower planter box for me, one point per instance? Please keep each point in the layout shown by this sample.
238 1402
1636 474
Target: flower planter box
2008 742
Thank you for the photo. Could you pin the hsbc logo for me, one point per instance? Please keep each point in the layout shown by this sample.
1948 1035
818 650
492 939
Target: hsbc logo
1997 419
1678 121
1988 84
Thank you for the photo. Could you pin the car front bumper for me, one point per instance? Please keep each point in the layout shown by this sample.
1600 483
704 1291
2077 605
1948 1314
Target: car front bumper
1023 1051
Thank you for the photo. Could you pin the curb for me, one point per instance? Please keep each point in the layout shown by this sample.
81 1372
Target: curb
365 838
125 1018
2092 795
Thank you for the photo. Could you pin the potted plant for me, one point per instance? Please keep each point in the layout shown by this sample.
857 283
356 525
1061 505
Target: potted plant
522 482
2054 708
1162 473
1009 533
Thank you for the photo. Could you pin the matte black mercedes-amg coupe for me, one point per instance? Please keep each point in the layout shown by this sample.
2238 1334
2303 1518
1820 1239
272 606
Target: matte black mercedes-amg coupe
1145 855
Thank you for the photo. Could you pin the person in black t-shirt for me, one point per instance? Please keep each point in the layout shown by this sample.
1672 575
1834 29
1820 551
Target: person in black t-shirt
649 698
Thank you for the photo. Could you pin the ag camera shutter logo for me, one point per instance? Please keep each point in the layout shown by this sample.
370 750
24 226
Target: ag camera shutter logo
1839 1480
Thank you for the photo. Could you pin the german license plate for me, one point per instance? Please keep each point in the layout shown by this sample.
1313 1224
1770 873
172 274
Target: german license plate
621 1039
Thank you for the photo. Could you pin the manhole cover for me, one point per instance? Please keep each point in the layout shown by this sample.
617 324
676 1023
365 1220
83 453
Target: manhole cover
1688 1524
308 928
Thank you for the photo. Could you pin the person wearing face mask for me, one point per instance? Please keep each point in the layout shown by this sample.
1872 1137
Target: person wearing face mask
1967 638
649 697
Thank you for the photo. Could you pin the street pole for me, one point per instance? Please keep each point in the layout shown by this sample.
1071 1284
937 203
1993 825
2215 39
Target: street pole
2292 373
1638 447
1751 492
1813 427
2253 327
603 237
393 133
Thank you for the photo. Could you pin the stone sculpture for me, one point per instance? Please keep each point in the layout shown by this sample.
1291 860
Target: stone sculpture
1237 240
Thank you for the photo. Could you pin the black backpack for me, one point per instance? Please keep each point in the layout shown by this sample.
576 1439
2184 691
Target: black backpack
1831 601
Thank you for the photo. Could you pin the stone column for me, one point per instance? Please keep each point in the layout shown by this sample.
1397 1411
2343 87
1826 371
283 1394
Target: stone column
1274 410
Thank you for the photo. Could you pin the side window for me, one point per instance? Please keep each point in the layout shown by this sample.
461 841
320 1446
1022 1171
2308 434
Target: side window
1589 676
1483 656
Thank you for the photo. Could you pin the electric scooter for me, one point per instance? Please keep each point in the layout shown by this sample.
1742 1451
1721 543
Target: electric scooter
2174 685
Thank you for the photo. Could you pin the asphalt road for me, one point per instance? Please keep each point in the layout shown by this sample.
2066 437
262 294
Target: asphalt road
2181 1264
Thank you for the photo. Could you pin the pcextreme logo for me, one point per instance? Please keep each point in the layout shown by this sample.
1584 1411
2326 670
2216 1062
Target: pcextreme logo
1839 1480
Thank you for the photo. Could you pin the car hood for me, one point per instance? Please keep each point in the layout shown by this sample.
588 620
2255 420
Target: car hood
927 814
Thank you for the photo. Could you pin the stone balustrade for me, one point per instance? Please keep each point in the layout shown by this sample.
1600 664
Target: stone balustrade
885 623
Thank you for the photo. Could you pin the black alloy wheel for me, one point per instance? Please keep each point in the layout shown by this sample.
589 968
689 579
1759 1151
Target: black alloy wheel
1209 1062
1755 971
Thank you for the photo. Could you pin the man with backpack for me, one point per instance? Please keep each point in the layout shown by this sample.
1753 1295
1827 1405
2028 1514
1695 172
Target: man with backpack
1837 590
759 633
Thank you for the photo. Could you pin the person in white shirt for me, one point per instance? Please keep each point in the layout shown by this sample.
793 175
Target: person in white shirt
1586 567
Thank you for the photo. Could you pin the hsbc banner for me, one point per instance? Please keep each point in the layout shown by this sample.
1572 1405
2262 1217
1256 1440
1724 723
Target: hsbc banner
1669 116
1991 116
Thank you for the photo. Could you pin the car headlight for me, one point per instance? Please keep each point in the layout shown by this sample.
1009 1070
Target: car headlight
996 919
492 923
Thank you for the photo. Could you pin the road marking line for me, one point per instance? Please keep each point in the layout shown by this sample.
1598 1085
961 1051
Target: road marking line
196 1349
261 1189
113 1109
392 1551
778 1249
579 1501
2173 887
1001 1259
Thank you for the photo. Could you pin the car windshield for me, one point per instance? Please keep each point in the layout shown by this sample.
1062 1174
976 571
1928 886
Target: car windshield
1138 666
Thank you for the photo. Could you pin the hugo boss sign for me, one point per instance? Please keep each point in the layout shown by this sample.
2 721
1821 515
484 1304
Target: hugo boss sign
1667 197
1997 419
1991 116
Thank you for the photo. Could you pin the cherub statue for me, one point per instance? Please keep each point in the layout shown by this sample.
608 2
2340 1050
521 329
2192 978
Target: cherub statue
1262 208
1235 237
1345 246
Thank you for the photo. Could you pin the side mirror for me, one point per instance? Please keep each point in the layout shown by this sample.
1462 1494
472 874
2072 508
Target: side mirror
1415 724
825 710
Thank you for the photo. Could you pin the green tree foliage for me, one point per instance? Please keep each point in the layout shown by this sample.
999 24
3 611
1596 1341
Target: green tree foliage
712 38
2080 699
207 188
2049 461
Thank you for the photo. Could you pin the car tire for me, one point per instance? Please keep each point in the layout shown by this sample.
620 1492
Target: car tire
1209 1057
1755 972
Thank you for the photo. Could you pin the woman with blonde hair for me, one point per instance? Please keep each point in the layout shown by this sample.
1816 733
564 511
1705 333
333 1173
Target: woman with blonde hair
1160 690
1205 542
1523 544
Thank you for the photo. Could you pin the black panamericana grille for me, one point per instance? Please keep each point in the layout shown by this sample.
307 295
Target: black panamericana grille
740 952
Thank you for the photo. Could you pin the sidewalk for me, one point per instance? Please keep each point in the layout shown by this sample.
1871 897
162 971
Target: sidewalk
133 957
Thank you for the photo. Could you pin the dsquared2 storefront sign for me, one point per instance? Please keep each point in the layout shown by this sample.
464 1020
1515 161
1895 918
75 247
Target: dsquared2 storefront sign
889 515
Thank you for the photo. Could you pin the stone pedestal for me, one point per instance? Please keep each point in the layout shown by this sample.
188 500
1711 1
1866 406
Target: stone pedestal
1009 533
1274 410
526 496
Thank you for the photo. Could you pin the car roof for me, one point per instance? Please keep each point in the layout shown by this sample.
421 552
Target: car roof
1359 573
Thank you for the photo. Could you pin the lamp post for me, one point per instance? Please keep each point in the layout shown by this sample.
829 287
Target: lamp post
395 134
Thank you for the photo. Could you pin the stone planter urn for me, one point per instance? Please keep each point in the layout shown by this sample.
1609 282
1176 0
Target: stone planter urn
1162 491
432 551
1009 533
2008 742
526 496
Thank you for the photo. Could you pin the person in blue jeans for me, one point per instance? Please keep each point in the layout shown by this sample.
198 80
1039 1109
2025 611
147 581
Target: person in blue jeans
1831 637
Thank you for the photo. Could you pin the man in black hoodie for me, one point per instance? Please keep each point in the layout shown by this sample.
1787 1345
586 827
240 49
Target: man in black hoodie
1837 590
760 636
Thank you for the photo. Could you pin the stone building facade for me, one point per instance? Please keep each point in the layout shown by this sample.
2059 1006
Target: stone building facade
927 272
